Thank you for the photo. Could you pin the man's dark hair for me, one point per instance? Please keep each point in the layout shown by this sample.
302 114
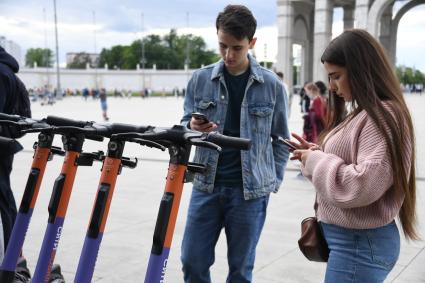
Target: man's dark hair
238 21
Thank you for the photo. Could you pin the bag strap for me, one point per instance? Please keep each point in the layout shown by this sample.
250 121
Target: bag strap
316 205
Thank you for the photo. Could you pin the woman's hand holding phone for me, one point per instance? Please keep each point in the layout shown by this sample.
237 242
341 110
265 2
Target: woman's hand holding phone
301 149
302 143
290 144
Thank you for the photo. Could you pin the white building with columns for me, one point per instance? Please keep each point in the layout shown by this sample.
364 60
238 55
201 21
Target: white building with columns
308 23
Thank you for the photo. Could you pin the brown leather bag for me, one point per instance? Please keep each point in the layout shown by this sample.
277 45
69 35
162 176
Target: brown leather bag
312 242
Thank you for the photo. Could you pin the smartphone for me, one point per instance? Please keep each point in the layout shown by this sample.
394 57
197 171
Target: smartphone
287 143
200 116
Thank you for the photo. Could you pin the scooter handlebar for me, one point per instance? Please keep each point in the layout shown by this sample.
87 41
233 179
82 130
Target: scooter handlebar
9 117
226 141
60 122
18 125
95 129
117 128
107 130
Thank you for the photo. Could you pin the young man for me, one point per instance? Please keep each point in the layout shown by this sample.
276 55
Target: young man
13 100
242 99
10 103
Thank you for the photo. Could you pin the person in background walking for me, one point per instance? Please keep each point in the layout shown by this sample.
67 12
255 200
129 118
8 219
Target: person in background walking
314 120
323 89
103 103
304 100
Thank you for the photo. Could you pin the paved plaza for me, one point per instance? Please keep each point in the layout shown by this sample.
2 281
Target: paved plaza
127 240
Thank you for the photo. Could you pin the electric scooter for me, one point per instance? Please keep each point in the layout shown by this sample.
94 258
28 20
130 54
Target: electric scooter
43 153
179 141
73 142
112 166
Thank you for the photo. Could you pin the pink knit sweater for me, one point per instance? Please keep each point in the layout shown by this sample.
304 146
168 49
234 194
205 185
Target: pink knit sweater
353 177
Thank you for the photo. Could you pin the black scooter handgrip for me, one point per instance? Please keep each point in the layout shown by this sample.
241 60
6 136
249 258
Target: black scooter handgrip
39 125
60 122
8 117
226 141
107 130
119 128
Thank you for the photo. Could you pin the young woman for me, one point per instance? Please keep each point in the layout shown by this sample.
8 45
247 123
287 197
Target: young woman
363 169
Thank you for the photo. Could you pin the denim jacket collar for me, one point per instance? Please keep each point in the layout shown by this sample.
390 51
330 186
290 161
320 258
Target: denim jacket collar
217 72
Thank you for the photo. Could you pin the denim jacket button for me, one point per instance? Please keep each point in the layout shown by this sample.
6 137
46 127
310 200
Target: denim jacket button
222 97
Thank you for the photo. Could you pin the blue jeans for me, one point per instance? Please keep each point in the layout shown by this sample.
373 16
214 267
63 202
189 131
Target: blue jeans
242 220
366 255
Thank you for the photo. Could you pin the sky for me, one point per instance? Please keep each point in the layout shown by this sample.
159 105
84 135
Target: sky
91 25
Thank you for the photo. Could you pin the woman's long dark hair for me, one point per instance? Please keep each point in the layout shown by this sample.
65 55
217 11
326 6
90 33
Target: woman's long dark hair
372 81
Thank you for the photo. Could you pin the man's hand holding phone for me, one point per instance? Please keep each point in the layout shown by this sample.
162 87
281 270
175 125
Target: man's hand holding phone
200 122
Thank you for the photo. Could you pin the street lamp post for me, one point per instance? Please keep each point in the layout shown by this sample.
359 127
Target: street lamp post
58 81
46 54
96 83
143 60
187 60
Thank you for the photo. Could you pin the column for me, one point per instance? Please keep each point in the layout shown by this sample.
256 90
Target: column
285 22
361 14
348 17
323 16
385 29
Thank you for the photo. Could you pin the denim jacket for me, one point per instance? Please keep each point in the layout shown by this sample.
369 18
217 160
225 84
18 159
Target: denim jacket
263 119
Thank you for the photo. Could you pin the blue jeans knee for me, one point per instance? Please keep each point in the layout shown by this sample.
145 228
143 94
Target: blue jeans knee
208 213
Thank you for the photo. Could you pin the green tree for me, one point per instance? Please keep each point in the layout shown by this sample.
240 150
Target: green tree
114 57
167 52
155 52
419 77
268 64
408 75
42 56
174 50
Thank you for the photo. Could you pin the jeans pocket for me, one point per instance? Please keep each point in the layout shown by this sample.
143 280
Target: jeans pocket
384 243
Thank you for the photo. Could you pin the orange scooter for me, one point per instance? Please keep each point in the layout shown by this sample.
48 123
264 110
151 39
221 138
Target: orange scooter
44 152
73 142
112 165
179 141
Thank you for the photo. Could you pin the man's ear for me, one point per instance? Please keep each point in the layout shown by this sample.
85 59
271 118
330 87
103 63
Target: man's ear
252 42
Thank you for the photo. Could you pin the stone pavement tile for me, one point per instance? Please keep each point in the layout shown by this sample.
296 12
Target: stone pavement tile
291 268
414 272
410 251
394 273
